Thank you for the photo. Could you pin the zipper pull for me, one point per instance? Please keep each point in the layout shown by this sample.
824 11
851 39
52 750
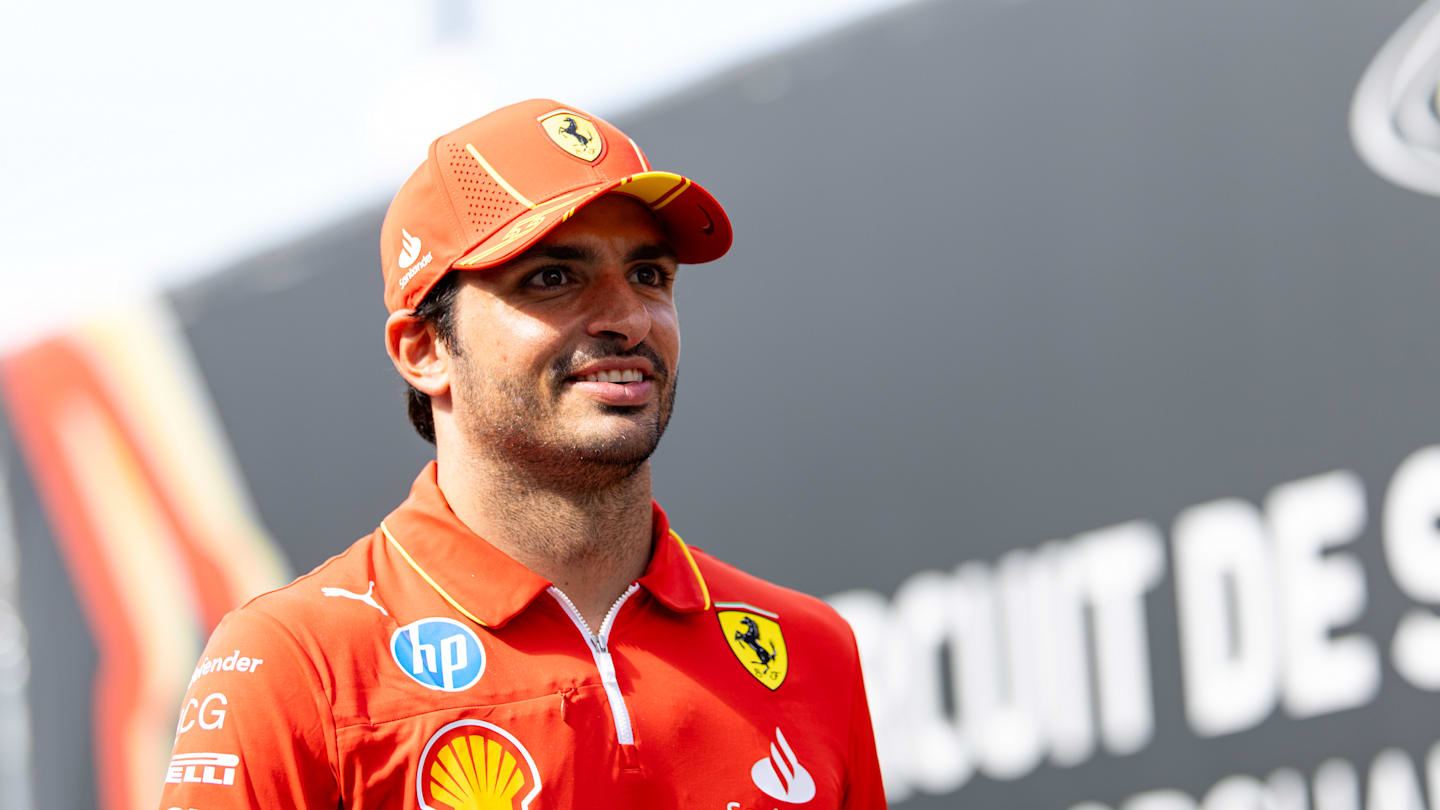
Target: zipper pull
564 702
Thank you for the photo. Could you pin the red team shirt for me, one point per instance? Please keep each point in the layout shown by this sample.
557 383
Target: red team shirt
424 668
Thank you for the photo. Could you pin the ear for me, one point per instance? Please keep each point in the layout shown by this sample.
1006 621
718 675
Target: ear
418 354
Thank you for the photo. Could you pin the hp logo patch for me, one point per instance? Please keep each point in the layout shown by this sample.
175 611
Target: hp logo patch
439 653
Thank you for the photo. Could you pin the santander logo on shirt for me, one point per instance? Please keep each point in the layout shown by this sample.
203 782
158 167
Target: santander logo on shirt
781 775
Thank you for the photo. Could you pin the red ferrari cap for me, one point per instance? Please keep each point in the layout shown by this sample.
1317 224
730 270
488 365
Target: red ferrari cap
497 185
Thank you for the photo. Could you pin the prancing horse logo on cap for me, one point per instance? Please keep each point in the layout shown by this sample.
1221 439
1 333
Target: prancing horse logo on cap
573 133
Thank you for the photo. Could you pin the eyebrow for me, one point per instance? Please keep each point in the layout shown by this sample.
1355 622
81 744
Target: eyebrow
650 252
576 253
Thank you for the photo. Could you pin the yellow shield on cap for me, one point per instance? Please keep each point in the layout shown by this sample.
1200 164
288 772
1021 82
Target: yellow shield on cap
755 638
574 133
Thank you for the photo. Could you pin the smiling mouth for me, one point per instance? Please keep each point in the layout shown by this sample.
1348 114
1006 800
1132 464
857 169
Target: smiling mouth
619 376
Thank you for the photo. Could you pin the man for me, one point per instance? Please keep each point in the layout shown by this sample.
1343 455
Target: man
526 630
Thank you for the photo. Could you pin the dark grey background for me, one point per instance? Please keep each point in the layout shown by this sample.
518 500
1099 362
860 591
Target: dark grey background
1004 272
62 656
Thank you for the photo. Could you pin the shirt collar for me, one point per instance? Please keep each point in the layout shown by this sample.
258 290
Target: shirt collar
672 575
488 586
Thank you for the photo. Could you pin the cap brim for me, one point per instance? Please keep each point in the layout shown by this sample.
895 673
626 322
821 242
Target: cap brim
694 222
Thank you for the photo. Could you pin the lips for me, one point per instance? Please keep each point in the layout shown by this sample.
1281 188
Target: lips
615 375
627 382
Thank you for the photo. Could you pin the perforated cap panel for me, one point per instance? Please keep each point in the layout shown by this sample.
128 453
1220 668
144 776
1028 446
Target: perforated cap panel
483 204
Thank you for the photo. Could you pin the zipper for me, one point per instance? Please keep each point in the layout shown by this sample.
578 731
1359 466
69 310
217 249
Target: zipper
600 651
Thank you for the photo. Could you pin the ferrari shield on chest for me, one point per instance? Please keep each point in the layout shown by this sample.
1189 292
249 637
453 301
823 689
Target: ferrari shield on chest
755 637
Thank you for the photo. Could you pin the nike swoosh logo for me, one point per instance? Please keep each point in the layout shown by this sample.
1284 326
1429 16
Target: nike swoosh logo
1393 119
709 227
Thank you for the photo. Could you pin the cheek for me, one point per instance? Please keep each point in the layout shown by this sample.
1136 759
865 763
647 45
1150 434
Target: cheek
518 343
665 332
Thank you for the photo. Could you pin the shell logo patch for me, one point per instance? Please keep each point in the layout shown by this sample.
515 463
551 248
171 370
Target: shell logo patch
474 765
754 636
573 133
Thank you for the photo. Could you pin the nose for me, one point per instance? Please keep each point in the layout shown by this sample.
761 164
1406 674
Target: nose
618 311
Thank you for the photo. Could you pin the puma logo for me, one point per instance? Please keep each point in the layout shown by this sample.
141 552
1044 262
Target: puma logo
367 597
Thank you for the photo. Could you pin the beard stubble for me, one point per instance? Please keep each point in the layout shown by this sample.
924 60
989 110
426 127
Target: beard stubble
520 424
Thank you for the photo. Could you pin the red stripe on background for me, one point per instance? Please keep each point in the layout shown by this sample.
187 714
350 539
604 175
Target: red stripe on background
36 384
39 385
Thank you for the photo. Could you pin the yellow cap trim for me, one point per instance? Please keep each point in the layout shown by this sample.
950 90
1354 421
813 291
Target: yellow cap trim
527 224
485 164
655 189
421 571
684 549
671 197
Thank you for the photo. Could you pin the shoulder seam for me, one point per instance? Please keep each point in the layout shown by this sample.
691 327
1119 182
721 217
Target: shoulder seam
334 753
311 573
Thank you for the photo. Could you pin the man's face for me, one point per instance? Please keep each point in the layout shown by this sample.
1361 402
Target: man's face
566 356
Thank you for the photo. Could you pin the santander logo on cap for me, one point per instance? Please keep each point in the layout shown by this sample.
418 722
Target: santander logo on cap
409 250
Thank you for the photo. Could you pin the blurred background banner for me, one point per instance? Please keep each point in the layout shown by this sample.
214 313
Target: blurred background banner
1081 353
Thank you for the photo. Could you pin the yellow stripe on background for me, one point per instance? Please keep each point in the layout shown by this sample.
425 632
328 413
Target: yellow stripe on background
421 571
138 550
141 353
157 482
485 164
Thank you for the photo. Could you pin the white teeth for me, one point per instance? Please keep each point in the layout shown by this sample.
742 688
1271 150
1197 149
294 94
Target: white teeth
614 375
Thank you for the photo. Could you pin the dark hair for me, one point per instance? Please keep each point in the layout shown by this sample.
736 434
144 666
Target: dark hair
437 309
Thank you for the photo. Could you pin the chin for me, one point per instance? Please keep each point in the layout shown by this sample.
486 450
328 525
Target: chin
618 447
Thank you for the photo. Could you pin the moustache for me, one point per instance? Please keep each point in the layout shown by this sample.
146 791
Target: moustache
565 367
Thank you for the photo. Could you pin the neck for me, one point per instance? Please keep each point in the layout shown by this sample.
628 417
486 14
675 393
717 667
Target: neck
591 544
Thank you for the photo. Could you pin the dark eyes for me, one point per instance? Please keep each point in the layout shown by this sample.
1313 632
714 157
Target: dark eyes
649 275
548 277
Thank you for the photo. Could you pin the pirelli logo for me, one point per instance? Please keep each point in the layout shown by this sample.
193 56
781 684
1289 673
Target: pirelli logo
204 769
